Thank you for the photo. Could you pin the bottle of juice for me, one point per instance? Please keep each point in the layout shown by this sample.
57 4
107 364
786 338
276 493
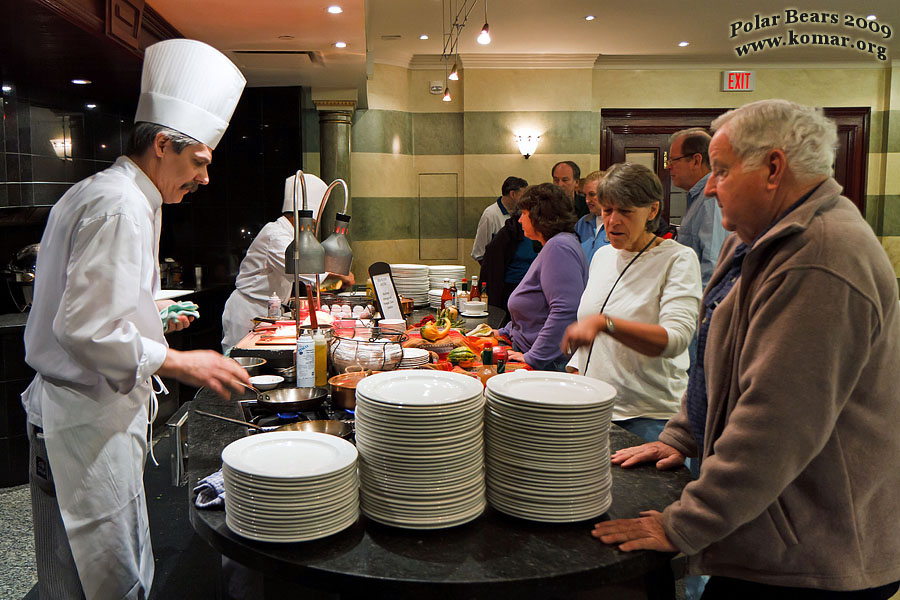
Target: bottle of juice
321 353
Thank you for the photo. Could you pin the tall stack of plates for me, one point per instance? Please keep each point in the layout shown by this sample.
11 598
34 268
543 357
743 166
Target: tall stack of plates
437 274
419 436
414 358
547 445
290 486
412 281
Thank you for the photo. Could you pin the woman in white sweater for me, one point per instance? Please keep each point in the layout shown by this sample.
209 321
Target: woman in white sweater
639 310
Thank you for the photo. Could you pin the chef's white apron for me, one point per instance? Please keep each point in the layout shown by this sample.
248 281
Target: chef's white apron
97 452
240 310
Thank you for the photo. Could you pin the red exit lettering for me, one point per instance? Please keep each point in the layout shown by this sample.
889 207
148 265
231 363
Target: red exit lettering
738 81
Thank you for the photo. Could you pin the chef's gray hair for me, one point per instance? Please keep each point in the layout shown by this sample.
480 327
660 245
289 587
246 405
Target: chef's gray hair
807 137
143 135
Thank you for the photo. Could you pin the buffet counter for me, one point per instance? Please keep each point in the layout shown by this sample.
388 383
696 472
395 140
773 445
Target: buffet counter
494 554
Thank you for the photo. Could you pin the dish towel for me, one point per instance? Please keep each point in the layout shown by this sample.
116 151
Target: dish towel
210 491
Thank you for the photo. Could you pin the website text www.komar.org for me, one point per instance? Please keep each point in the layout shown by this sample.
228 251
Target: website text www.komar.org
848 31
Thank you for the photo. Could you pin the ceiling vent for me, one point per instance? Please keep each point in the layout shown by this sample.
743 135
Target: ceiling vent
315 57
391 38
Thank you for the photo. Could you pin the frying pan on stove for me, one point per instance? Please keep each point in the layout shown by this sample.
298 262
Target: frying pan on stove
292 399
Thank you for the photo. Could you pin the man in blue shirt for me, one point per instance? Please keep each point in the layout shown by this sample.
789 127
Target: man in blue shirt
701 227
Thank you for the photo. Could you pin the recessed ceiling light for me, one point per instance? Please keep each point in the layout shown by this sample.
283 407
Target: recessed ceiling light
340 44
590 18
81 81
285 37
423 36
6 89
683 44
90 106
871 18
335 10
103 146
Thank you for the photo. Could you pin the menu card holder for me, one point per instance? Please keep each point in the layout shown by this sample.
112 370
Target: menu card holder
385 291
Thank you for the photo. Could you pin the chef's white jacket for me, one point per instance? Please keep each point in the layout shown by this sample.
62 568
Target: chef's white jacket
95 337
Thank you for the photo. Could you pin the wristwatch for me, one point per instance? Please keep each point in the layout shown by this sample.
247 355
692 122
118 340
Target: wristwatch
610 326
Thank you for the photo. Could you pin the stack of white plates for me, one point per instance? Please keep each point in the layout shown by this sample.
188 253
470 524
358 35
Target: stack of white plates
290 486
414 357
419 436
412 281
547 445
437 274
434 298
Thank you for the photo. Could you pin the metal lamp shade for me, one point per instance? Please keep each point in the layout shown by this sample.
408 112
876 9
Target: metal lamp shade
338 255
312 255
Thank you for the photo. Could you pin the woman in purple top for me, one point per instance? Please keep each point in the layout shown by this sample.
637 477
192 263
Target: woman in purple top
546 300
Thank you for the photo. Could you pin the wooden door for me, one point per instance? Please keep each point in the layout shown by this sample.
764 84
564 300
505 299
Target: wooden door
644 133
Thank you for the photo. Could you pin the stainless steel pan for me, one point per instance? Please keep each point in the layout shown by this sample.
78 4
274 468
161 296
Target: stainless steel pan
293 399
336 428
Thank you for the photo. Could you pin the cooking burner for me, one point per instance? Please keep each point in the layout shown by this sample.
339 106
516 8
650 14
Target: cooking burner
264 417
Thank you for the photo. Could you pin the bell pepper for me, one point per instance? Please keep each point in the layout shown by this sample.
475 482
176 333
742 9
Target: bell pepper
434 331
426 319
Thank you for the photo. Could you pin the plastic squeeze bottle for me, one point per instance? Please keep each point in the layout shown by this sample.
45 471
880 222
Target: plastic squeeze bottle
274 310
321 352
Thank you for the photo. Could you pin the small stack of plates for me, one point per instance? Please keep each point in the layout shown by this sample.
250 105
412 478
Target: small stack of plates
547 445
414 358
290 486
411 281
434 298
438 273
419 436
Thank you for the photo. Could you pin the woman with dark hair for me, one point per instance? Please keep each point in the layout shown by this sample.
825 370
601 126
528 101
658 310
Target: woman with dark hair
545 301
639 310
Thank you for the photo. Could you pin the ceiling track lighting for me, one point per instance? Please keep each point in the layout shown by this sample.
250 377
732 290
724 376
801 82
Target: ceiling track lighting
454 15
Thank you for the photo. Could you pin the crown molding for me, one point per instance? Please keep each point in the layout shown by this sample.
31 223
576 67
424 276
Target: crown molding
631 62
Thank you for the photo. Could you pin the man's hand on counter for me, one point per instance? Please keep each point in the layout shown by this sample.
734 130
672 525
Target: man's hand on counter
205 368
645 533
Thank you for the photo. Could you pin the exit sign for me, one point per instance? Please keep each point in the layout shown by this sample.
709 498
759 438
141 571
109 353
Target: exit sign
738 81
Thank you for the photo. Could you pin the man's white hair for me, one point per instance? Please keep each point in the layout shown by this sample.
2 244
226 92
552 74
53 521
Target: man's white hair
807 137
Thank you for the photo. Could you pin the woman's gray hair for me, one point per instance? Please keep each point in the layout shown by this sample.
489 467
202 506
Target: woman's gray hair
807 137
143 134
630 185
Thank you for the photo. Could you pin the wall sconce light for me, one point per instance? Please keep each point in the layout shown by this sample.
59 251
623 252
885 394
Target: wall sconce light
527 143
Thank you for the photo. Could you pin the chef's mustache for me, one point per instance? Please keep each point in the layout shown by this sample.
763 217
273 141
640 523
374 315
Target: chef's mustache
192 186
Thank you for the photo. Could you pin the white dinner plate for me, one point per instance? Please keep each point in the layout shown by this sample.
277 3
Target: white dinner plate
553 389
414 388
289 454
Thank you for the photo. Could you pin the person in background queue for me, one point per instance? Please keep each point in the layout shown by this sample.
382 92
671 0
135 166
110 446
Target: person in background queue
545 301
95 338
567 175
701 227
639 310
262 270
495 215
589 228
792 406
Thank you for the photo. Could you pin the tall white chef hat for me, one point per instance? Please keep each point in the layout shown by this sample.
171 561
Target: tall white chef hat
315 191
190 87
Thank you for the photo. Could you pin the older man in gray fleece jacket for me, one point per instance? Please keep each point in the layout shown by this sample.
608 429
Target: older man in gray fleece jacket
795 408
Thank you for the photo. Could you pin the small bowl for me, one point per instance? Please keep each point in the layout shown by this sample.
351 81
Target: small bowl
475 306
252 364
266 382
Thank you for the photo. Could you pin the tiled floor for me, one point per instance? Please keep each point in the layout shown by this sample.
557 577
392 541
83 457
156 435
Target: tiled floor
18 575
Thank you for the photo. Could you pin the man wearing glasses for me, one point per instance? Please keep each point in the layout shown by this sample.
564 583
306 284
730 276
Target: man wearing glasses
701 227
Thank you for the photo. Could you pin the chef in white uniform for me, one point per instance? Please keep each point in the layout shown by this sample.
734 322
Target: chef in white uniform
262 270
95 338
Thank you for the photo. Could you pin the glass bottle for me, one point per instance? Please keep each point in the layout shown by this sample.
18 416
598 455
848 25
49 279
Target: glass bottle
446 296
500 355
484 294
475 294
454 293
463 296
487 369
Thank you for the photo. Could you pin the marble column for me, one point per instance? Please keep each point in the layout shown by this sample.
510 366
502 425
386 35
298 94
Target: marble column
335 118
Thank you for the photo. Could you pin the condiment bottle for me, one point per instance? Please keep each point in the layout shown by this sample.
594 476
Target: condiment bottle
321 353
454 293
274 310
306 361
501 355
475 294
463 296
486 370
484 294
446 295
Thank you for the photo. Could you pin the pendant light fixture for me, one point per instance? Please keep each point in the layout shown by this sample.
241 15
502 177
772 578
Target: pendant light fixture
484 37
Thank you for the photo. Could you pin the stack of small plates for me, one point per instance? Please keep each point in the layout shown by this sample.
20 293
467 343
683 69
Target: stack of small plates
434 298
414 358
547 445
411 281
438 273
419 436
290 486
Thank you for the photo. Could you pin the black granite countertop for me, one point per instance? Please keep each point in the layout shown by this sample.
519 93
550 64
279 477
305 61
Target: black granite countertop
493 554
